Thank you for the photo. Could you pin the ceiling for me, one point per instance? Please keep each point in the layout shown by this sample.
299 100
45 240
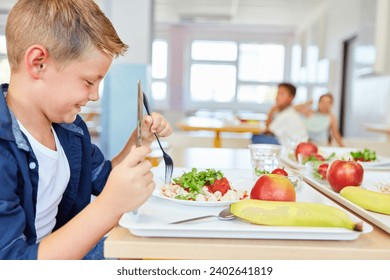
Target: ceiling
282 13
289 13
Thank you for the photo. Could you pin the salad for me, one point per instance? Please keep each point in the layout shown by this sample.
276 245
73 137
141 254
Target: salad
364 155
206 185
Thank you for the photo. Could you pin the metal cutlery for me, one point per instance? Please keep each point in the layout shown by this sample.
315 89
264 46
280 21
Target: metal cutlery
167 159
224 215
139 114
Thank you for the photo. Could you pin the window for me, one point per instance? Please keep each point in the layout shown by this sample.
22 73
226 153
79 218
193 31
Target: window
233 74
213 82
5 72
159 70
261 62
214 51
311 79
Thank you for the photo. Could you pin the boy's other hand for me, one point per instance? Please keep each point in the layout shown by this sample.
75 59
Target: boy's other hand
131 182
155 123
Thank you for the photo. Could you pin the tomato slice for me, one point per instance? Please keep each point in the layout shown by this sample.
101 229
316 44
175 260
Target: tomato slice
221 185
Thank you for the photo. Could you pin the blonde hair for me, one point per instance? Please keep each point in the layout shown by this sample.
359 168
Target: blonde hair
66 28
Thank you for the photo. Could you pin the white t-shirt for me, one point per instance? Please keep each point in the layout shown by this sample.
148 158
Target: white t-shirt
54 174
288 123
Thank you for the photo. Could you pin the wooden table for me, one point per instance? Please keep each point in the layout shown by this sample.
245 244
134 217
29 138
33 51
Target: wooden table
217 126
121 244
379 128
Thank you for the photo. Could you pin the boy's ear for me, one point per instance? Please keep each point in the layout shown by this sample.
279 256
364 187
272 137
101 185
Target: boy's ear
35 60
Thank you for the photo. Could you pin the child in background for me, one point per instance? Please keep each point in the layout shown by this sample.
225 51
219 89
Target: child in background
59 51
321 124
282 121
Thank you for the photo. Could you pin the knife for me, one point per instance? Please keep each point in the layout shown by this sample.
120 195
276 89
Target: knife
139 114
140 104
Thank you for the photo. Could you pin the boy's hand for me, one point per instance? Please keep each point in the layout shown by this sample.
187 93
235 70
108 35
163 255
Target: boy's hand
155 123
130 183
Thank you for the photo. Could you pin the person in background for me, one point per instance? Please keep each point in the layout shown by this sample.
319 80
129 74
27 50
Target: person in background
59 52
282 120
321 124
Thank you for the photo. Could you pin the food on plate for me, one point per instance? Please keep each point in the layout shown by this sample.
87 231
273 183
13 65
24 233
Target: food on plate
305 149
342 173
367 199
280 171
384 188
320 173
273 187
277 213
207 185
365 155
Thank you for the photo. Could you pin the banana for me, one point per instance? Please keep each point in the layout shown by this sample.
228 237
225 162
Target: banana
283 213
367 199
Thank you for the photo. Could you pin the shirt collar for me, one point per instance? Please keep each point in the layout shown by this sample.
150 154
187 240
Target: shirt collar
9 127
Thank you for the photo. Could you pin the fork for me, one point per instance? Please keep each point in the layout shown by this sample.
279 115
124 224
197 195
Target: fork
167 159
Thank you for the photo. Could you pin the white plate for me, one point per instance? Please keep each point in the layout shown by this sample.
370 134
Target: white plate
372 179
238 179
154 218
341 152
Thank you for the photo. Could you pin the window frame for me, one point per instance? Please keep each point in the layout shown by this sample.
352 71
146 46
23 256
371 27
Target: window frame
241 35
239 38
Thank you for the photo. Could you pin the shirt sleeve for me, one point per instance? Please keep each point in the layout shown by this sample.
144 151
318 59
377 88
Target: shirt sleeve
13 242
101 168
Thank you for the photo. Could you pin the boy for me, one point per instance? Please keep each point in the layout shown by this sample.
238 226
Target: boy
59 51
283 120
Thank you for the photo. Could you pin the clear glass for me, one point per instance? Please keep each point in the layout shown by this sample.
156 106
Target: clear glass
214 50
256 93
261 62
264 157
211 82
159 59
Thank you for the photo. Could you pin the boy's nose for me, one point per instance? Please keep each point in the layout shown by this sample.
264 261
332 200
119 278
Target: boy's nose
94 95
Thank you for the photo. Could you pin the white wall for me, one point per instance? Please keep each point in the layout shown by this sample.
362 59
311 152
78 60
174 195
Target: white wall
370 95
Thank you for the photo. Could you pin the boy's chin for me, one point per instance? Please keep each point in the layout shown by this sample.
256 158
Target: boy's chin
69 119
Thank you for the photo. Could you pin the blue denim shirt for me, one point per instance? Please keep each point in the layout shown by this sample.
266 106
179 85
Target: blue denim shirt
19 181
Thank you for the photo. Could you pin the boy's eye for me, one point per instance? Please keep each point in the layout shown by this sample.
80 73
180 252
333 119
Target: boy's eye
90 83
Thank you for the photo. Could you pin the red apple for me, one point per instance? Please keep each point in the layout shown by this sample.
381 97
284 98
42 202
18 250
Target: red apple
305 149
280 171
322 169
273 187
342 173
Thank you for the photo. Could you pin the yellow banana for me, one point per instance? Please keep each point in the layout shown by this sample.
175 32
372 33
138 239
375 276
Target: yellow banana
282 213
367 199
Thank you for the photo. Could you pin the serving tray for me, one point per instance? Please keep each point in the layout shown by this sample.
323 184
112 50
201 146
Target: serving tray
371 180
154 217
382 163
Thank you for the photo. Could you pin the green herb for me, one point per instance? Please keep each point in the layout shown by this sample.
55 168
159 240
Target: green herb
365 155
330 157
194 181
260 172
317 175
311 158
